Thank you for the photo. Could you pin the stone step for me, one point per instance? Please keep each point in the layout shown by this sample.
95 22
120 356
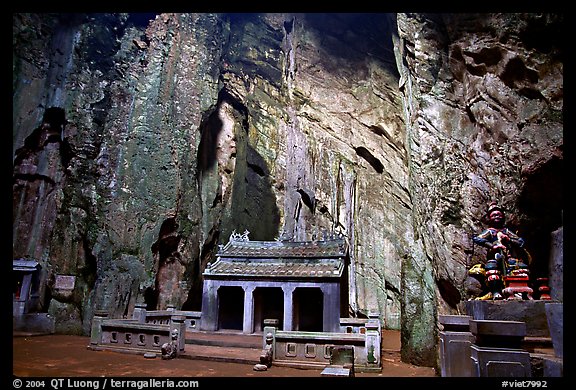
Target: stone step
223 346
542 345
225 339
224 354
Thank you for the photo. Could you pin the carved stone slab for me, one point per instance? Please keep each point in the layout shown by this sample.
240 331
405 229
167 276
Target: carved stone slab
65 282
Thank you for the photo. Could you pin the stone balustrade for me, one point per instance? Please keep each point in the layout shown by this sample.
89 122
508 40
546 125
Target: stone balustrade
134 335
314 349
147 331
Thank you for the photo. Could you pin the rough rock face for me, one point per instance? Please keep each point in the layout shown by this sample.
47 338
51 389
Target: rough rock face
142 141
483 98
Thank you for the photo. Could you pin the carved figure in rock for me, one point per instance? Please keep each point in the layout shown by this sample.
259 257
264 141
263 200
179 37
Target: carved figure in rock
504 249
170 349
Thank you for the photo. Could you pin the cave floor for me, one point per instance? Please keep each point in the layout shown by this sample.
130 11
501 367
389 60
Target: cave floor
68 356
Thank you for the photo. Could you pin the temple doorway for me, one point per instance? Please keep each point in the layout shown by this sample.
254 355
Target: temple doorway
230 307
268 304
308 309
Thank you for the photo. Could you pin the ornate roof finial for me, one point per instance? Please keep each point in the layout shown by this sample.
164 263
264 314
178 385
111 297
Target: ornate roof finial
239 237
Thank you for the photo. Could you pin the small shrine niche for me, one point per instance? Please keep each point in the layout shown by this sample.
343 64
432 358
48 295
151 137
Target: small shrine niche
25 286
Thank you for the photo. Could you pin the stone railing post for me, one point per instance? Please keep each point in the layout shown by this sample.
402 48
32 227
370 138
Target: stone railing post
373 340
178 322
139 313
96 330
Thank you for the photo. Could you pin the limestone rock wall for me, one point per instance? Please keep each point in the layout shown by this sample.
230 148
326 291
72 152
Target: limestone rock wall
142 141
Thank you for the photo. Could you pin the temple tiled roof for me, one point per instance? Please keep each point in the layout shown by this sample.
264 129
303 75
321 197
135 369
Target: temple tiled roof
24 265
269 268
241 257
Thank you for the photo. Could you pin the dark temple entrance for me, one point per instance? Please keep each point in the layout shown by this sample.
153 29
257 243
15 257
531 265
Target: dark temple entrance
268 304
230 307
308 309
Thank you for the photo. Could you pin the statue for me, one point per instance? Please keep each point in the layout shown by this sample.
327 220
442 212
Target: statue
266 355
170 349
505 275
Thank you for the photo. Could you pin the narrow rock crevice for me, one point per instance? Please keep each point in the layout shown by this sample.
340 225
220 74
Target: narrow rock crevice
370 158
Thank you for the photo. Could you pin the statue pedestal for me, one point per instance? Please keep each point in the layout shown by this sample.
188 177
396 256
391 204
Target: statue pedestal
517 287
531 312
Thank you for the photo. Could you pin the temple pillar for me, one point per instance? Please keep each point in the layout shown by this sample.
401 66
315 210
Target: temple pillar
288 320
248 321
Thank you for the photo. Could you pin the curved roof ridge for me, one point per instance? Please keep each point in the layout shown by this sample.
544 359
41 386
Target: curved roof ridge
283 249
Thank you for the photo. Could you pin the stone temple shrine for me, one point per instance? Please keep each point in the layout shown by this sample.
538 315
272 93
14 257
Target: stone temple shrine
298 285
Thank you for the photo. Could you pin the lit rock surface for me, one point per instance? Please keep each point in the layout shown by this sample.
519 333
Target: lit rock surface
394 130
